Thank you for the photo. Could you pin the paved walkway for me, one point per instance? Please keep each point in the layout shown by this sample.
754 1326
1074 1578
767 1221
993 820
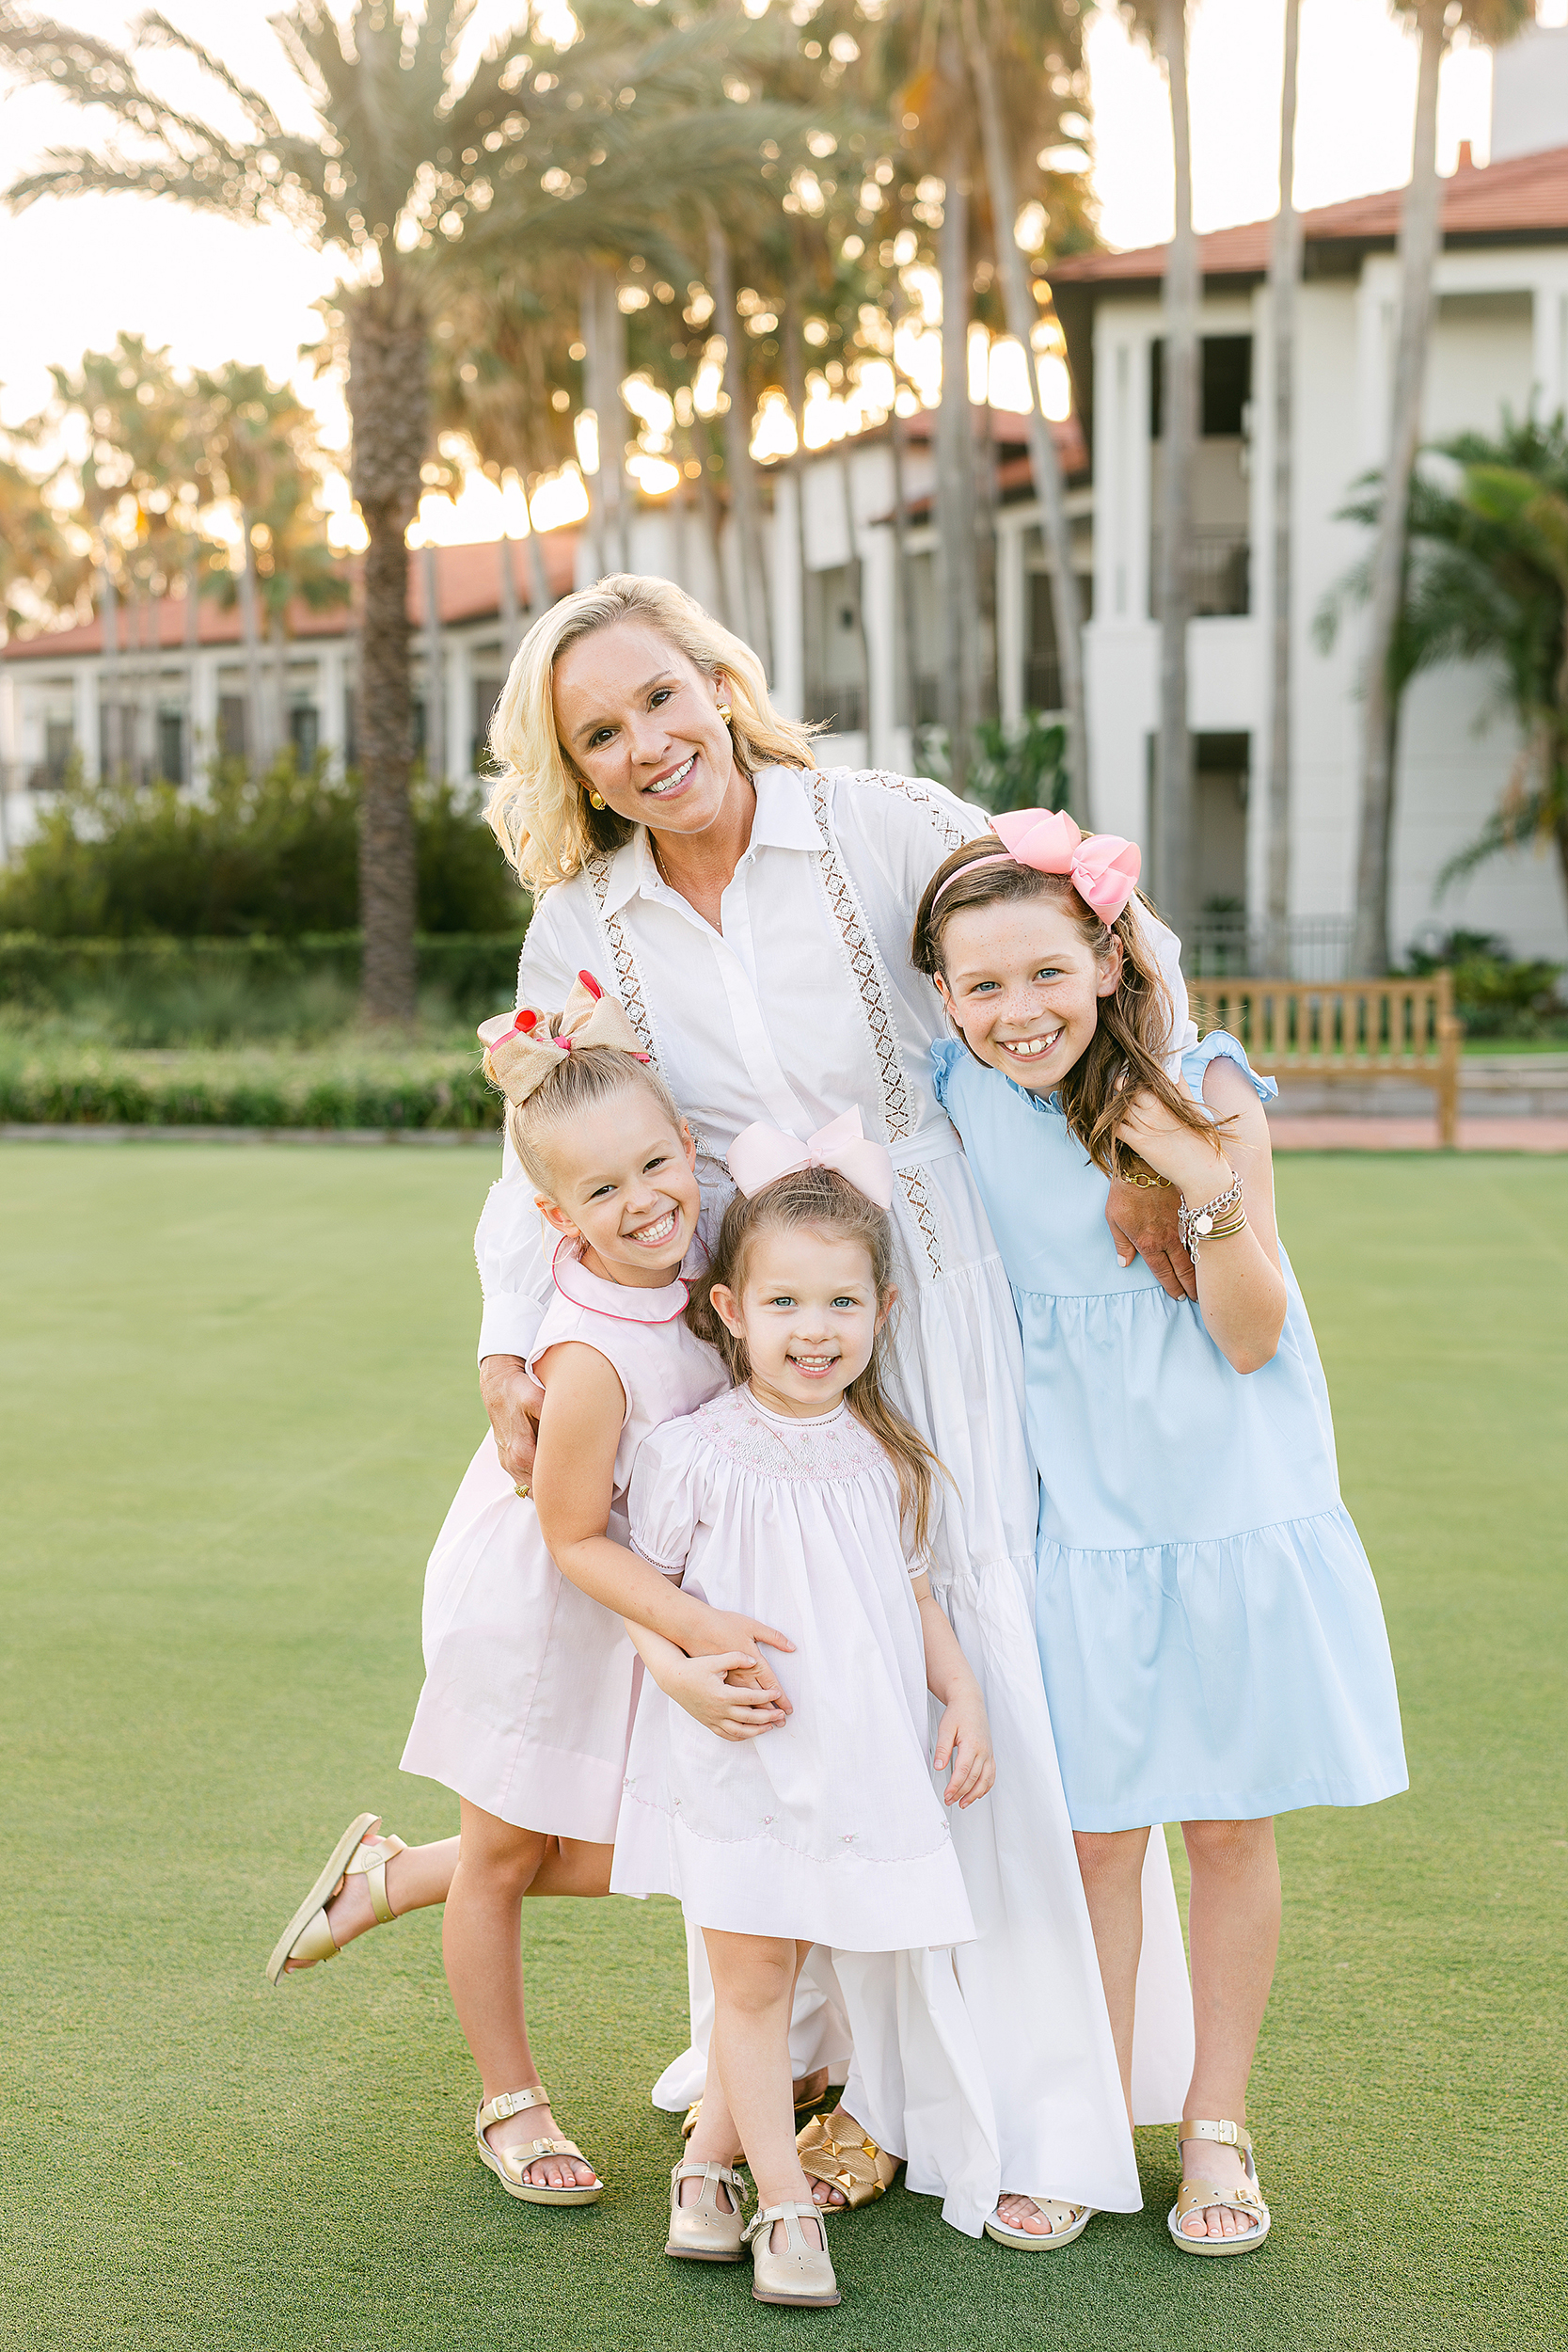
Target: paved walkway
1330 1131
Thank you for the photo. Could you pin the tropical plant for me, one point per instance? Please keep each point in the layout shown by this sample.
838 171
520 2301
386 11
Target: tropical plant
1486 579
1420 236
1021 767
40 572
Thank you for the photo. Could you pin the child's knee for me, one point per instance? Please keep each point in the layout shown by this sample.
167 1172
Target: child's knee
1229 1846
1110 1858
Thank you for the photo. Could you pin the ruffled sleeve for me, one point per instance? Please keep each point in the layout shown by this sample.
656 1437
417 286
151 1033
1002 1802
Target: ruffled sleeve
1219 1045
947 1055
664 1500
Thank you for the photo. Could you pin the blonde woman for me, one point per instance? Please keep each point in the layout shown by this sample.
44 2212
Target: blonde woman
753 913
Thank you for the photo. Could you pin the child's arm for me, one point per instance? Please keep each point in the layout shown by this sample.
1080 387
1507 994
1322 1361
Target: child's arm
964 1736
699 1686
574 1483
1240 1291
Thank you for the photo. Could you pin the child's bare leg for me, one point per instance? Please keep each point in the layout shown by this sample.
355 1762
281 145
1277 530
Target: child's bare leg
415 1879
481 1945
1112 1865
754 1987
1233 1928
714 2139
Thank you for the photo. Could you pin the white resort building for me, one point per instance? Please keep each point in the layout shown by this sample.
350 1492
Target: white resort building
834 621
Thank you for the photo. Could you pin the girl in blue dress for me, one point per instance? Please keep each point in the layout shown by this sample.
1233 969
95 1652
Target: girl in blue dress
1209 1631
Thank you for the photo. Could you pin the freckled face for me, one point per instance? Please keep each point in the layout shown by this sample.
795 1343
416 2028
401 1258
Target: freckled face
641 725
1025 987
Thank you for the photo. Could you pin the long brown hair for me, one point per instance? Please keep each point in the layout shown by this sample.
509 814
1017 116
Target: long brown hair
824 1200
1126 1053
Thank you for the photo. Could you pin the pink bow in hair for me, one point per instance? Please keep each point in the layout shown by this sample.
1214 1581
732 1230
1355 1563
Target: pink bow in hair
1102 868
760 1153
522 1048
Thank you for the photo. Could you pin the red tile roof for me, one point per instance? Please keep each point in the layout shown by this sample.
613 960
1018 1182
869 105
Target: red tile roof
467 583
1514 202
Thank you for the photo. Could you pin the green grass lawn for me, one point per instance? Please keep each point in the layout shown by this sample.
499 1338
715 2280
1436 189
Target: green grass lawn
237 1394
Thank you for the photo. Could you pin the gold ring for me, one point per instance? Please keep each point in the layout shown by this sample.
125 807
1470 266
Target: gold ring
523 1490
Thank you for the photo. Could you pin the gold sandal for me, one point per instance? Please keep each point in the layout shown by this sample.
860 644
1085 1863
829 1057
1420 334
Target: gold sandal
358 1852
509 2165
862 2170
1193 2196
807 2091
1067 2222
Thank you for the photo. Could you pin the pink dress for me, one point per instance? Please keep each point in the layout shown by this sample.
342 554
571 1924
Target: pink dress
828 1827
529 1686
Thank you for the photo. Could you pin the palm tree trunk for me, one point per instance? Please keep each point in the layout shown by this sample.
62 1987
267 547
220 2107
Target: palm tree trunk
738 450
389 404
1173 772
604 331
111 751
959 672
1018 304
909 633
795 385
193 639
1284 271
713 521
254 744
434 669
540 599
511 615
1419 239
857 601
278 691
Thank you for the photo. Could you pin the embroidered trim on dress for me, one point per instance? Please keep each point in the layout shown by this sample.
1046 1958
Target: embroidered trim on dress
867 975
836 1447
629 987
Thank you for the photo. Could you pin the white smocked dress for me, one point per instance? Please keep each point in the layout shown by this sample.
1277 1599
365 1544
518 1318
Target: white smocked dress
802 1002
828 1827
529 1686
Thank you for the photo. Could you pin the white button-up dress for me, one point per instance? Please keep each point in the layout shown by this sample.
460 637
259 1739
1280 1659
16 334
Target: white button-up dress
803 1003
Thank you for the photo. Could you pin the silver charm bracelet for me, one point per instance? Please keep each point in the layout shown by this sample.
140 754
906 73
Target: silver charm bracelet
1212 1222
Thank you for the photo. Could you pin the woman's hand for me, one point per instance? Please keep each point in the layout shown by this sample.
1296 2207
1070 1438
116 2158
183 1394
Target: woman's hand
963 1741
513 1403
1143 1223
730 1693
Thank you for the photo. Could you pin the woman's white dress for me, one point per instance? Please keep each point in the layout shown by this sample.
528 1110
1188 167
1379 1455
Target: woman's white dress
801 1004
827 1828
529 1686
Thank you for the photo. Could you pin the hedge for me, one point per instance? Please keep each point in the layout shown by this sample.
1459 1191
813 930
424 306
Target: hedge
37 973
95 1087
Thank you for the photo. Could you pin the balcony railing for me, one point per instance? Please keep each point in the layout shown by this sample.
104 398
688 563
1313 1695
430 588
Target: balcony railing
1317 947
1219 574
839 708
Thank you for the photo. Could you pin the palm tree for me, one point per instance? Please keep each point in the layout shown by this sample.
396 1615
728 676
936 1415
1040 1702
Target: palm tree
1284 273
1486 579
1434 22
1001 44
1162 25
39 572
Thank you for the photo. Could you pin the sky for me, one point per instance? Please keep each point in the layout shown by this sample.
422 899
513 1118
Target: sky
74 272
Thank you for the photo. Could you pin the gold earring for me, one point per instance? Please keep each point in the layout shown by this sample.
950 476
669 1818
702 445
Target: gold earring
596 799
724 712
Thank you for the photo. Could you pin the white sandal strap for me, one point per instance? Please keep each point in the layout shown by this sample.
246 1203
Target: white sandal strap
792 2217
1223 2134
511 2102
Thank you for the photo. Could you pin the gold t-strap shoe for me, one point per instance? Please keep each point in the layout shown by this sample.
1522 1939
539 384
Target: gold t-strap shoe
802 2274
1194 2196
858 2167
706 2231
358 1852
510 2164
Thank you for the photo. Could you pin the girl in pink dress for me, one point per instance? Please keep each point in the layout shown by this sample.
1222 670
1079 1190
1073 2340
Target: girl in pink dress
531 1685
803 1492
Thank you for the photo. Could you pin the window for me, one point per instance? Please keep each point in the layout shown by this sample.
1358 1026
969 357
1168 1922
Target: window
171 746
1226 362
1042 671
232 726
305 733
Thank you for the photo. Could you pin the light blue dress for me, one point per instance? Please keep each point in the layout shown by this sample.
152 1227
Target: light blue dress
1209 1631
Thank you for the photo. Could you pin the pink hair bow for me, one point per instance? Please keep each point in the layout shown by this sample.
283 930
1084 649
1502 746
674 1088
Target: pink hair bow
1103 868
760 1155
522 1048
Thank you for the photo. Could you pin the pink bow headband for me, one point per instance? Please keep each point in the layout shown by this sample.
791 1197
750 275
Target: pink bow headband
760 1155
1102 867
522 1048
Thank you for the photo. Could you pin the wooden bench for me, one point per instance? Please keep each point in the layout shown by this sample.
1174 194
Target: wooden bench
1344 1029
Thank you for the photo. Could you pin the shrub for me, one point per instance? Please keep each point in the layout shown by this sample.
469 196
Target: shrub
277 854
1496 995
61 1084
